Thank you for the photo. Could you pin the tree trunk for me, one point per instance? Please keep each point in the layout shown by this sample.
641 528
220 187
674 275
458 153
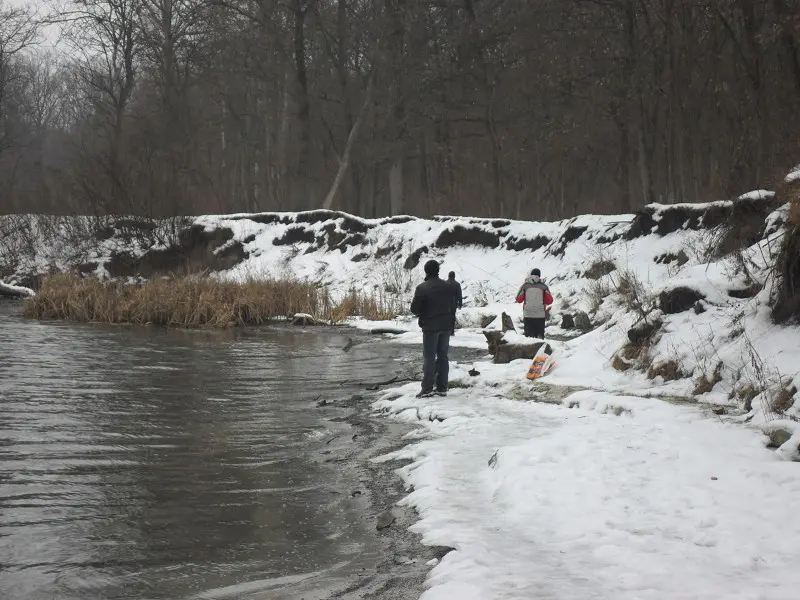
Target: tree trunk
302 173
396 199
344 160
786 20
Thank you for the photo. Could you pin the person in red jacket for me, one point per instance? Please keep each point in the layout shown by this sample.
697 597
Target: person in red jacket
536 297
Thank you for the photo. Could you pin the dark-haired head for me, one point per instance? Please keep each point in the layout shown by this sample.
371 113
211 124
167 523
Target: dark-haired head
431 267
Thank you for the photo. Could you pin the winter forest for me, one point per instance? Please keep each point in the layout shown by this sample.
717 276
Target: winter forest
529 109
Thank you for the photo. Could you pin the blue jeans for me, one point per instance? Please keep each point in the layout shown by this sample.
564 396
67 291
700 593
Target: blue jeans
435 345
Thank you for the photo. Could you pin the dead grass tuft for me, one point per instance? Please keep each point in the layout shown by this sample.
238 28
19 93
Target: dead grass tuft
633 293
596 292
783 399
705 384
793 196
630 356
787 305
794 212
618 364
184 302
668 370
788 301
746 394
374 307
600 268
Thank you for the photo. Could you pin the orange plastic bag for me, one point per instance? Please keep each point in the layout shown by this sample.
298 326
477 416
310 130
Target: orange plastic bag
541 366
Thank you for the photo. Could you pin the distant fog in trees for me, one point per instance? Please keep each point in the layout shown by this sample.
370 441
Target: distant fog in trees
530 109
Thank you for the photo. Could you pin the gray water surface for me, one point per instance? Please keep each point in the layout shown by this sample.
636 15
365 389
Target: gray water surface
146 463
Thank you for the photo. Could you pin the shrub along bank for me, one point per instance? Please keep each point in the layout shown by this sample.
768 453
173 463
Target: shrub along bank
192 301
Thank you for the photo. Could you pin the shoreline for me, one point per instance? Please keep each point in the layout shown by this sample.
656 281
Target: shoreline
401 572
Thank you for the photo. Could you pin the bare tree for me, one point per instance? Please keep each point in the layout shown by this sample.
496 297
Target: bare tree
539 109
18 31
104 36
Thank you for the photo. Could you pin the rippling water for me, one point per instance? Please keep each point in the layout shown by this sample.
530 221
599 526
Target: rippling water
144 463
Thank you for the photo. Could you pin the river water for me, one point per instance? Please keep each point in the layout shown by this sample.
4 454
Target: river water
148 463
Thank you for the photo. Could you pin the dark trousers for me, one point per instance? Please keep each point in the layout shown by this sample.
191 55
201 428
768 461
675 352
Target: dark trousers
435 345
534 327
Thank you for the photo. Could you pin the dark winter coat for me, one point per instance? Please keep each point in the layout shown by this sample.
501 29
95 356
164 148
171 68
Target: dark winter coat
434 305
457 294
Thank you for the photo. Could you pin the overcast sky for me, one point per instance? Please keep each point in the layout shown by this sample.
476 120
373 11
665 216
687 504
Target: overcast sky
50 34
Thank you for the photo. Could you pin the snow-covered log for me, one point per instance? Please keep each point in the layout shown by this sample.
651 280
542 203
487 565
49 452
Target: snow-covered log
304 319
15 291
387 331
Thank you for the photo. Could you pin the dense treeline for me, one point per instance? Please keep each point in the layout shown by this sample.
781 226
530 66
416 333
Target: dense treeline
520 108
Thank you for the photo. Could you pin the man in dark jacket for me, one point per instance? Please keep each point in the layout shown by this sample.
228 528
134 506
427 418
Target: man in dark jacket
457 296
434 305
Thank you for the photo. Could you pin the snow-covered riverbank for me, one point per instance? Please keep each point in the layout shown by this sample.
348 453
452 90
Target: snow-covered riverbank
578 486
612 492
599 496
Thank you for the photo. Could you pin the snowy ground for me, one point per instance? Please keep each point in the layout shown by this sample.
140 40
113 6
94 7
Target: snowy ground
596 496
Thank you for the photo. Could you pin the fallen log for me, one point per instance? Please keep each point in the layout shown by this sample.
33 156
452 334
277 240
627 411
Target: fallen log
389 330
487 320
15 291
504 351
507 322
515 351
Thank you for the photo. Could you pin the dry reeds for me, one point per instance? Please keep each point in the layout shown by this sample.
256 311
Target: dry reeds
184 302
787 304
793 195
374 307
